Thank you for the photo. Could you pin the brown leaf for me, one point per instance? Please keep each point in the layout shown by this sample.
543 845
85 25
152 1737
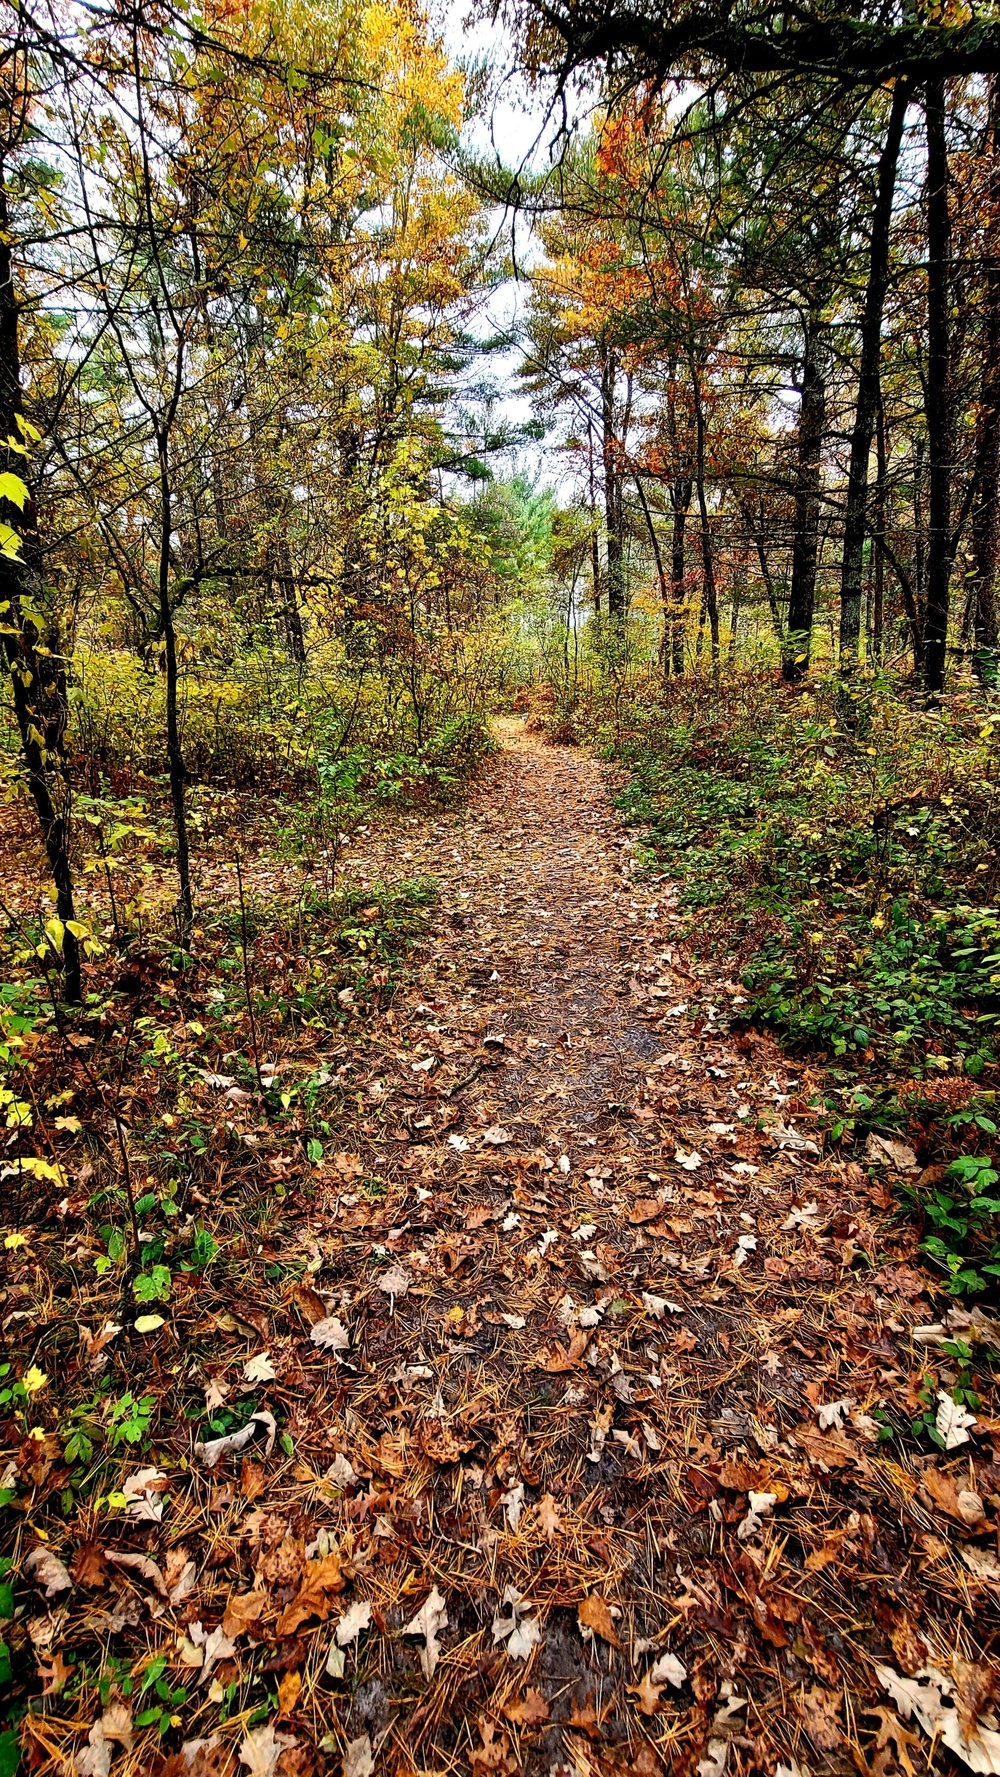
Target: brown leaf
241 1611
320 1579
830 1550
252 1478
88 1567
311 1306
940 1487
583 1715
493 1754
288 1693
571 1359
821 1658
47 1572
742 1477
825 1449
55 1675
140 1564
819 1710
547 1517
646 1209
594 1614
908 1644
528 1710
440 1442
647 1695
974 1686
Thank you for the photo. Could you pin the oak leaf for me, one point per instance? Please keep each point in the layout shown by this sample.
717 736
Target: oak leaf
594 1613
320 1579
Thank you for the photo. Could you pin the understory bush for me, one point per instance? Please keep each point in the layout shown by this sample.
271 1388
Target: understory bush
842 843
389 724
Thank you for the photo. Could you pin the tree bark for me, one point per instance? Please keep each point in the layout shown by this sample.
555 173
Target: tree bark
612 488
37 673
664 651
710 601
938 397
986 474
175 759
680 502
868 381
878 566
797 639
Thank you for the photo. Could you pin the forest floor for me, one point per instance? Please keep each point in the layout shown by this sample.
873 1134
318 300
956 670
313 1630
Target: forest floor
596 1404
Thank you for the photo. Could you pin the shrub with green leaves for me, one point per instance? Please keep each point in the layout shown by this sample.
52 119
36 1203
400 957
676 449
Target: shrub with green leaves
844 844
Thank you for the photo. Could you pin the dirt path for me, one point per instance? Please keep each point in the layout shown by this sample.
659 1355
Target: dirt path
629 1297
574 1352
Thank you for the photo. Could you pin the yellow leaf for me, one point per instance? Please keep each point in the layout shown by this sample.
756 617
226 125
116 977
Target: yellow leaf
34 1380
148 1323
14 1240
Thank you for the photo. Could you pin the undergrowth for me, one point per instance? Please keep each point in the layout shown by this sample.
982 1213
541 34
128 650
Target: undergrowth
843 845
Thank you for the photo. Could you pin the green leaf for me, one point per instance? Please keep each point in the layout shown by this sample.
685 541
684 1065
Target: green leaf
10 1752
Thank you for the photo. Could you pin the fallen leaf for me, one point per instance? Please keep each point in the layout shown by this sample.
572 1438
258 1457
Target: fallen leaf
260 1368
819 1710
88 1565
496 1136
330 1334
952 1421
925 1703
143 1494
594 1613
547 1517
288 1692
690 1161
143 1565
54 1674
210 1453
669 1670
114 1725
430 1618
834 1414
242 1610
358 1760
529 1710
761 1506
350 1625
47 1572
513 1504
319 1579
647 1694
262 1748
896 1153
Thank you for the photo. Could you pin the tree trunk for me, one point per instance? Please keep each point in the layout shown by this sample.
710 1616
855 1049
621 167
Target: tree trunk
868 378
595 541
291 616
664 653
878 566
805 541
37 673
984 528
710 601
175 758
680 501
938 397
612 489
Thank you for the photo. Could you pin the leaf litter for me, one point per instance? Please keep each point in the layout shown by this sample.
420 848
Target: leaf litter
565 1382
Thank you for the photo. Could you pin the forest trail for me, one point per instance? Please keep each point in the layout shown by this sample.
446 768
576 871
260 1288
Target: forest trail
563 1372
617 1331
